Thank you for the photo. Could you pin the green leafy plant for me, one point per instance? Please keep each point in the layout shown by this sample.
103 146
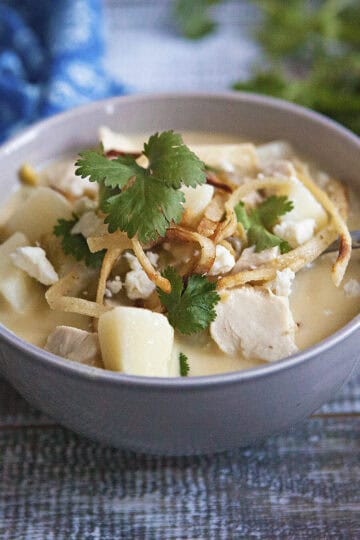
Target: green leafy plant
190 307
257 222
76 245
311 55
184 365
144 201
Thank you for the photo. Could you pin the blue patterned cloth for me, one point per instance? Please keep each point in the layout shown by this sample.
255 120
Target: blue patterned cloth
51 55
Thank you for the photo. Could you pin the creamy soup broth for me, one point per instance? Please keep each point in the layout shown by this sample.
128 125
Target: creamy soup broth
318 307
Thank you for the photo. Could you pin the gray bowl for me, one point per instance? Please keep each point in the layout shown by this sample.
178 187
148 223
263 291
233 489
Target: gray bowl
200 414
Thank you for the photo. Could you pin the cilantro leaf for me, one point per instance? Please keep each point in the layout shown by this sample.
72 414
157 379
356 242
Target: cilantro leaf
263 239
112 172
147 207
242 215
272 208
76 245
191 308
184 365
259 220
140 200
171 161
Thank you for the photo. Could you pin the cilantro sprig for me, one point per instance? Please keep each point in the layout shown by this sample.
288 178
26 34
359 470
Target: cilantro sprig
76 245
144 201
258 221
184 365
190 307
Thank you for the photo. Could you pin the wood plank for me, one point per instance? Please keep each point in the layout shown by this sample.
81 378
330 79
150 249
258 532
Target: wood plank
303 484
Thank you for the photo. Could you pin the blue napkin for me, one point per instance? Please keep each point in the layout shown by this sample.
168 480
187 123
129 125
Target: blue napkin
51 54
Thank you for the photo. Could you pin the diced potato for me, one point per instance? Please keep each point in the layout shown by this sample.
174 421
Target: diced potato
305 205
138 342
197 199
39 213
240 158
269 152
111 140
16 287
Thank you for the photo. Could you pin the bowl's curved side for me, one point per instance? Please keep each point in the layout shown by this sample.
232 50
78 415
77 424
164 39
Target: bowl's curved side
173 420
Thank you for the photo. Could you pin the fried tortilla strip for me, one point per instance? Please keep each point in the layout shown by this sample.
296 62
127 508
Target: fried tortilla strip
114 240
294 260
152 274
110 259
61 295
207 247
345 243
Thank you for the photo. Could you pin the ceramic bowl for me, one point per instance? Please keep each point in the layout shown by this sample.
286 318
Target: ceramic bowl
200 414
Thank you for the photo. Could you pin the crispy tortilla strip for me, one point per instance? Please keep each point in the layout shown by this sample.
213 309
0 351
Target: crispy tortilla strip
220 181
227 227
152 274
114 240
207 247
338 194
213 214
61 295
294 259
110 259
342 261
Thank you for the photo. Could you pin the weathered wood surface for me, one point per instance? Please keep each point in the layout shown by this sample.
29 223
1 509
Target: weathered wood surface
55 485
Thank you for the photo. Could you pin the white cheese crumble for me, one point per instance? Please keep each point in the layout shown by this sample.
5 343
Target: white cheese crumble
197 199
137 284
282 284
296 233
87 225
113 287
352 288
84 204
34 262
224 261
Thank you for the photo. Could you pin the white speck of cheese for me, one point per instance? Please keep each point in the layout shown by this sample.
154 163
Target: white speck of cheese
224 261
34 262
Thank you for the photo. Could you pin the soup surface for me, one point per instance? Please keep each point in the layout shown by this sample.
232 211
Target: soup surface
318 307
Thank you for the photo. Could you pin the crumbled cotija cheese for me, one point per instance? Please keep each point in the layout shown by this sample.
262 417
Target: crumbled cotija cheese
34 262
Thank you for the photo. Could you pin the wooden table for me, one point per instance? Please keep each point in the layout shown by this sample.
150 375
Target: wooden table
302 484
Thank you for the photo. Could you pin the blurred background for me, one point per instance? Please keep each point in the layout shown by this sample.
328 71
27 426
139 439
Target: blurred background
57 55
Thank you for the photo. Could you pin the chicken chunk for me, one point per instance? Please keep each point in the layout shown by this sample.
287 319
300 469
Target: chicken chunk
75 344
254 322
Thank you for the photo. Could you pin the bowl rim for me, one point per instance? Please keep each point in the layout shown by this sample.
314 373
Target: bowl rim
52 361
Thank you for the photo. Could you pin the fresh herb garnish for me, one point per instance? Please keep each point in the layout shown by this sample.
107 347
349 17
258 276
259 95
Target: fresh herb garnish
257 222
191 307
193 17
184 365
310 52
76 245
148 199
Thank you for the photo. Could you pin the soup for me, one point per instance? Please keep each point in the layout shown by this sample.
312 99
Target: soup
197 270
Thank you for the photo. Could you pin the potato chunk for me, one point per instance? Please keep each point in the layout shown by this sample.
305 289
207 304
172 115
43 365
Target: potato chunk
196 200
138 342
16 287
38 214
